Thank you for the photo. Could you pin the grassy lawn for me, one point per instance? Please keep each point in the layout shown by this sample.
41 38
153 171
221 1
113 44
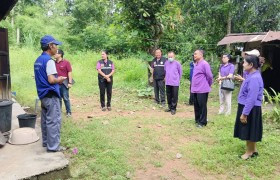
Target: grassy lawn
137 139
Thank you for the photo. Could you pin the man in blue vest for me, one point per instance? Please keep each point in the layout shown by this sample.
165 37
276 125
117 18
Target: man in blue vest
47 84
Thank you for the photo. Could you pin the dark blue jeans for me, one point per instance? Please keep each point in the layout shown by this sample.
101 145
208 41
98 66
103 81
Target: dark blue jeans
64 93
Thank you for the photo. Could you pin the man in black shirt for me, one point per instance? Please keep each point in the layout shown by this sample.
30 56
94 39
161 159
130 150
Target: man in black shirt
158 77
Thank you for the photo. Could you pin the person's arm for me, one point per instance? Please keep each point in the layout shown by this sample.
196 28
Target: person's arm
253 90
209 75
51 72
70 79
101 73
239 78
113 71
69 75
98 67
180 70
53 80
231 72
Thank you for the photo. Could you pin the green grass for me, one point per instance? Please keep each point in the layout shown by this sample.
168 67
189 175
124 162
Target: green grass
112 151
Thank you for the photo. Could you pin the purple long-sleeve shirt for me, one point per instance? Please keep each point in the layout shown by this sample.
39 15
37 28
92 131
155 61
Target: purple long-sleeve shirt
202 77
251 92
225 70
173 73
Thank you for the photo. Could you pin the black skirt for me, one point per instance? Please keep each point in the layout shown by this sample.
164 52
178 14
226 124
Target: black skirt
253 130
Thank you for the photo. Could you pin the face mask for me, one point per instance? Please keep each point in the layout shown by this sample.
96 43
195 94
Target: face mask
170 59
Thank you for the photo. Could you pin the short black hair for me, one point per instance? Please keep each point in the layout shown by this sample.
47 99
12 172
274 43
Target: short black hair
158 49
201 51
228 56
59 51
45 47
105 51
252 59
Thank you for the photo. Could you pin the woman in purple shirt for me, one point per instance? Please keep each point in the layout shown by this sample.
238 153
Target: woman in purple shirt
248 125
226 71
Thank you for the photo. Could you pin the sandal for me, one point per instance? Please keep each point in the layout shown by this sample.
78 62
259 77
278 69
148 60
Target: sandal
255 154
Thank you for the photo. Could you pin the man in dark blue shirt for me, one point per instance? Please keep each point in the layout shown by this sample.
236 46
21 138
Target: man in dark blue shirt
48 91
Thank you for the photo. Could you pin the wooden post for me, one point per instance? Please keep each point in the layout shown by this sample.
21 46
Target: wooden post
229 25
18 36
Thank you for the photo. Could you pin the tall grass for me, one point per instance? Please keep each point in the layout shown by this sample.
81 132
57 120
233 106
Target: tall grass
131 73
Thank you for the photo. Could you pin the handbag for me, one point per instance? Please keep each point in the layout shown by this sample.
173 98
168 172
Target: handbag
227 84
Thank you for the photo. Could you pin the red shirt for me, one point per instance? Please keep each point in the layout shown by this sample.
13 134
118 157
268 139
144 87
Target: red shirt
63 67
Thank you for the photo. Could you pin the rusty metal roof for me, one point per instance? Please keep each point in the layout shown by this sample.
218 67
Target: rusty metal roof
250 37
271 36
241 38
5 7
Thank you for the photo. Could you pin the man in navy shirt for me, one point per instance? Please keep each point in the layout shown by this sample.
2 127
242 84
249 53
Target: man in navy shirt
47 84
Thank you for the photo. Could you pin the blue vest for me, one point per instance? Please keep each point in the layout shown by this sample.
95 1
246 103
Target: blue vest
41 78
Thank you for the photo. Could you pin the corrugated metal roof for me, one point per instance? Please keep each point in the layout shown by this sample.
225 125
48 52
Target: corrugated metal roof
242 37
271 36
5 7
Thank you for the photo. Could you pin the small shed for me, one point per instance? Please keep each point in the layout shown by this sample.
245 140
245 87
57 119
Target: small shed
268 43
5 77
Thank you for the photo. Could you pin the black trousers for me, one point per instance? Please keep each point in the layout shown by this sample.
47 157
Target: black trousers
200 108
105 86
191 99
159 88
172 96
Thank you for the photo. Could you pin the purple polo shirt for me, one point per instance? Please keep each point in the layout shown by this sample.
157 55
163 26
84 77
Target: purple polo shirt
202 77
98 66
225 70
251 92
173 73
245 74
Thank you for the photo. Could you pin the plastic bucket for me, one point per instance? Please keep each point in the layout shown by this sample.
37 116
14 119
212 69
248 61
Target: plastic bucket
27 120
5 115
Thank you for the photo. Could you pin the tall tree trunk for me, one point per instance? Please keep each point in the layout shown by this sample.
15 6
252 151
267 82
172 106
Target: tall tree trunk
18 35
229 24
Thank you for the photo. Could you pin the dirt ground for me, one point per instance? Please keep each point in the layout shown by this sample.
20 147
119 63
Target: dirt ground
171 169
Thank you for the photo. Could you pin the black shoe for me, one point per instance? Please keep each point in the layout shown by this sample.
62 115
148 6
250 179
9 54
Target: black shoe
167 110
255 154
173 112
109 108
60 149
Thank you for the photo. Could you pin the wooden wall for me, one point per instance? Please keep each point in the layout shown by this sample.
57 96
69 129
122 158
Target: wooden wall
5 83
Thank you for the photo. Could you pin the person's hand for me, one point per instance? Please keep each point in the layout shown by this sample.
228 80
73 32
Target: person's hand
108 79
238 77
229 76
61 79
243 119
219 79
69 85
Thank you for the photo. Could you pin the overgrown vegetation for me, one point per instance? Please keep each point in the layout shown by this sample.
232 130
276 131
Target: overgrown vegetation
132 26
273 104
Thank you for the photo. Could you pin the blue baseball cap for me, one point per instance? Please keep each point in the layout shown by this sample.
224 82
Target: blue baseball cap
47 39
